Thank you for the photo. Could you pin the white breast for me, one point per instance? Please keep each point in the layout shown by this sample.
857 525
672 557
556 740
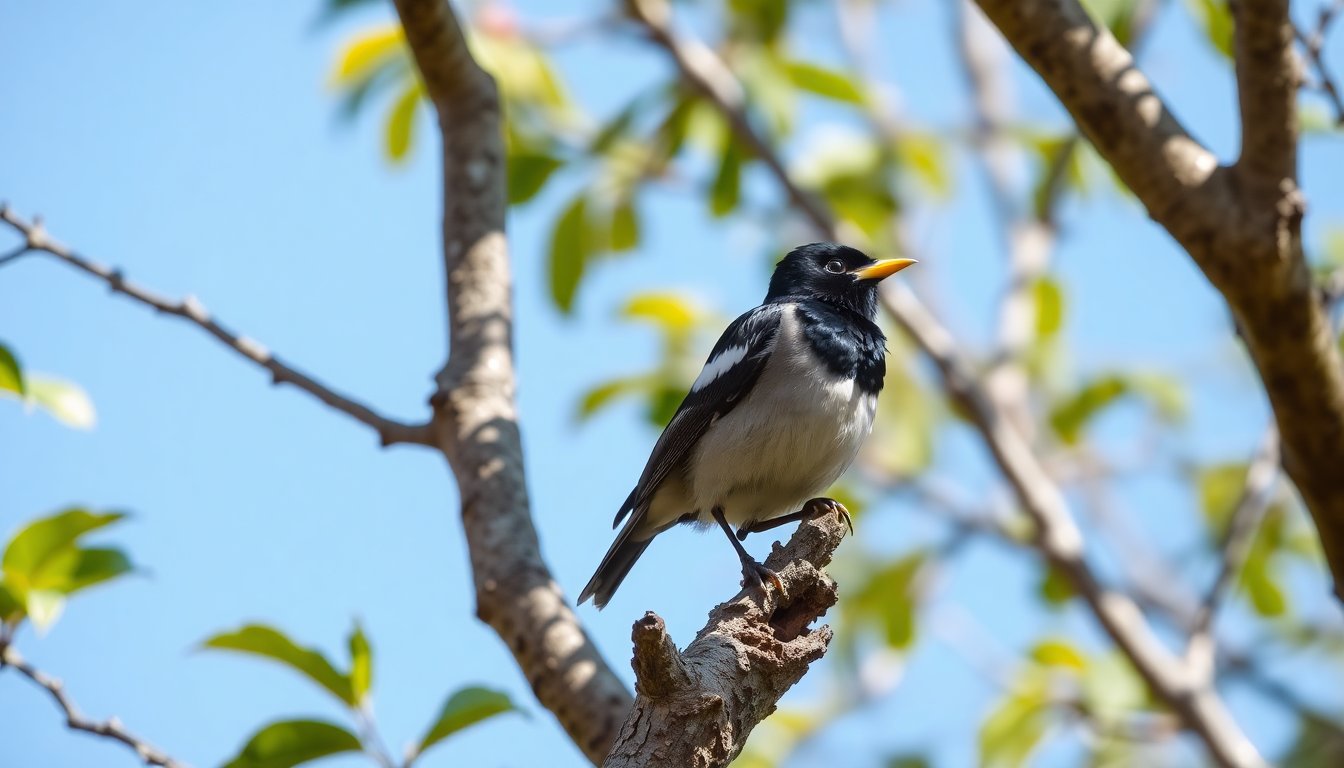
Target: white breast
792 437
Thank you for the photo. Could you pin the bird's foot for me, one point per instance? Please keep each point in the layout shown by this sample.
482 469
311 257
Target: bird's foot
755 574
821 505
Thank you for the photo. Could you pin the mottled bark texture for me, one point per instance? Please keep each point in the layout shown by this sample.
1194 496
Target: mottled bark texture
475 415
696 708
1242 224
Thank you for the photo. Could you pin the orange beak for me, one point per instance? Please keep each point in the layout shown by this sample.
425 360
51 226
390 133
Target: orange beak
880 269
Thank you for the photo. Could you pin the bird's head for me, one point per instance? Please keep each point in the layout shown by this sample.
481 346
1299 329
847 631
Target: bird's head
833 273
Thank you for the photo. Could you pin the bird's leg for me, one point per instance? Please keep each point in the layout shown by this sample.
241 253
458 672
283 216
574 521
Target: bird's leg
813 509
752 571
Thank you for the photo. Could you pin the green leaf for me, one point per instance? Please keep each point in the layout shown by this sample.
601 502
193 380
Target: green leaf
724 194
890 596
528 173
1216 19
624 226
823 82
269 643
11 606
1049 301
44 607
666 310
569 254
1055 588
923 154
465 708
1070 417
65 401
361 664
39 542
72 569
11 374
664 401
1112 689
401 122
1116 15
603 394
1012 731
366 54
1058 653
292 742
1219 487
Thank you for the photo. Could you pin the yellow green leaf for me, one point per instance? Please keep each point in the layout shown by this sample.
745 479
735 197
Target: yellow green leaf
367 53
401 122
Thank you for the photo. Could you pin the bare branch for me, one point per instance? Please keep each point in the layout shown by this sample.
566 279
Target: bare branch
1057 536
390 432
697 707
475 412
1314 45
109 729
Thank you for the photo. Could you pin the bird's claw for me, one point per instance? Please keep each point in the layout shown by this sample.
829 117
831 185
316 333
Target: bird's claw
823 506
753 573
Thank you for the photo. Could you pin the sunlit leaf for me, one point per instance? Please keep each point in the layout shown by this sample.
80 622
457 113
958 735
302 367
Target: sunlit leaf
270 643
361 663
1112 689
1055 588
666 310
569 253
72 569
924 155
528 173
1014 729
1048 299
890 598
1219 487
1058 653
69 404
401 122
44 607
465 708
1073 414
43 540
603 394
292 742
817 79
11 606
11 375
1117 15
363 56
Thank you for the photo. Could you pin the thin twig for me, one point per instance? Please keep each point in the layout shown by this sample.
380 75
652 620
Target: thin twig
390 432
110 728
1314 45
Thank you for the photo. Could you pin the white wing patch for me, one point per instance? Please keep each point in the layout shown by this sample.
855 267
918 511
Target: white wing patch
720 365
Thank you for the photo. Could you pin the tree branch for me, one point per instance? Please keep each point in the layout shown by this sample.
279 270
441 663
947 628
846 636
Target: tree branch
475 414
696 708
1191 697
1314 45
1267 81
36 240
110 728
1242 226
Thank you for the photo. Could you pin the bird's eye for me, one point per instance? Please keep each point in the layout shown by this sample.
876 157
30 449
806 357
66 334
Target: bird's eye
835 266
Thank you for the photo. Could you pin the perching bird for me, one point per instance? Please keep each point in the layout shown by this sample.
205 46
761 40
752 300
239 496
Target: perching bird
785 399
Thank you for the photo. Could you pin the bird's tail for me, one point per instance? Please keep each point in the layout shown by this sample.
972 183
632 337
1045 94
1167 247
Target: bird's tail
619 560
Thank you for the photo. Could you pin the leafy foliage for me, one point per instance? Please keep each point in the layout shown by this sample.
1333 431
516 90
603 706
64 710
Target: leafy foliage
45 563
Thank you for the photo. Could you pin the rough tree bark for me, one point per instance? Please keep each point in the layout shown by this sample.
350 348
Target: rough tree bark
695 708
475 421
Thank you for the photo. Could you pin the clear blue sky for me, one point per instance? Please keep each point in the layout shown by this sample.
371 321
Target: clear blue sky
197 146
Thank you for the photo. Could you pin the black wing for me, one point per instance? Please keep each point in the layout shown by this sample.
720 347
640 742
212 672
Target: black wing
731 371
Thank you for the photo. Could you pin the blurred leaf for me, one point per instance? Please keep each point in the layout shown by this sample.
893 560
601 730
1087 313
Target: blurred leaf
1012 731
1058 653
11 375
1219 487
1055 588
71 569
1048 299
603 394
624 226
11 607
401 122
1267 597
361 664
1318 744
1071 416
666 310
69 404
923 153
816 79
616 128
889 598
1112 689
363 56
43 540
724 194
292 742
44 607
568 254
528 173
1116 15
270 643
1216 19
465 708
761 20
907 761
664 401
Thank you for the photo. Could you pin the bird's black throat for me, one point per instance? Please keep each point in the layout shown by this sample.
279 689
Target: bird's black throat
848 343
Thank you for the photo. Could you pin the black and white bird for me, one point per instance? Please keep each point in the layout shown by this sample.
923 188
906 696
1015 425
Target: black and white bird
783 404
